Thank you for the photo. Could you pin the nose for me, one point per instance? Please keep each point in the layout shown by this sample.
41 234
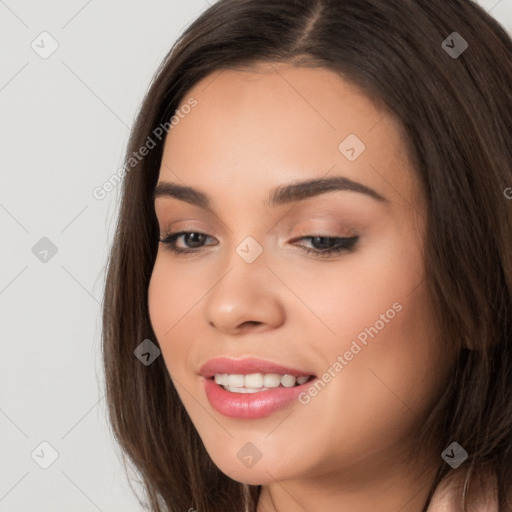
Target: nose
245 299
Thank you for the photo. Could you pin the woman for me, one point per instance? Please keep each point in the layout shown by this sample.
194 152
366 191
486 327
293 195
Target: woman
315 236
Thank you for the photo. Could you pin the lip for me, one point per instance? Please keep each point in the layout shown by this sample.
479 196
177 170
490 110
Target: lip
246 366
249 405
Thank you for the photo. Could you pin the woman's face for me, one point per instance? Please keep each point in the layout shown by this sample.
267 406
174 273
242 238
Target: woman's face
357 321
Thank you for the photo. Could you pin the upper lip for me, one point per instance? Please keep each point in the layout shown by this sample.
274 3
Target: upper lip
246 366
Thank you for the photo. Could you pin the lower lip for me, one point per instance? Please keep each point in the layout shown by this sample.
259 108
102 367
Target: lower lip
250 406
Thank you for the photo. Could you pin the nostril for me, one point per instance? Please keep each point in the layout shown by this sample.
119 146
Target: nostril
251 322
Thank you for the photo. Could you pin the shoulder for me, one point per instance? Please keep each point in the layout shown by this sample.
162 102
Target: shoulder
482 493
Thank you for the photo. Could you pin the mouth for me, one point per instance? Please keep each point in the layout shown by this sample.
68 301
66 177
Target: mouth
256 382
252 388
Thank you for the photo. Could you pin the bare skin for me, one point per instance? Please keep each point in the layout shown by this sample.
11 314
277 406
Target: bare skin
348 448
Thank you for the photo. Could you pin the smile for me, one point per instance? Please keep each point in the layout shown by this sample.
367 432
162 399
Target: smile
251 388
255 382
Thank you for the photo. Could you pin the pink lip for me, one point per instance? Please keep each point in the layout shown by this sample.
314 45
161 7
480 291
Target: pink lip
246 366
249 405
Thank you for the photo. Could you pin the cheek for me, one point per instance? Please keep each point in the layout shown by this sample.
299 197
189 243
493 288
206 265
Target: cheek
170 301
351 294
397 369
380 314
161 301
389 383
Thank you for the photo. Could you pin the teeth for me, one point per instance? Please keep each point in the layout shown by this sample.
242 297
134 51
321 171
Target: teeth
221 379
288 381
242 390
236 381
255 382
271 380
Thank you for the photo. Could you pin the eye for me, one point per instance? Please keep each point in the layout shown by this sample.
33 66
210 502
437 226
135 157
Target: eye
329 245
323 245
192 238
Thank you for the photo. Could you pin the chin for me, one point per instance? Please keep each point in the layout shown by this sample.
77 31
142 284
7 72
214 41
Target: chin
251 476
261 473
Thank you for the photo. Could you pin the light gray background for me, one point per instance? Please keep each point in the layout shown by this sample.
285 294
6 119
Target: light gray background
64 125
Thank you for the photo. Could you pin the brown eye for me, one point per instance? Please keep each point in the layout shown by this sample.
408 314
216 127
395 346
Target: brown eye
193 241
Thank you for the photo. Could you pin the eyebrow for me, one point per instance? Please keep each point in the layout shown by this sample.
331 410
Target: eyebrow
283 194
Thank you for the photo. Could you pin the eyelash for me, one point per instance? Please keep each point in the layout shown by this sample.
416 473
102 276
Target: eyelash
345 244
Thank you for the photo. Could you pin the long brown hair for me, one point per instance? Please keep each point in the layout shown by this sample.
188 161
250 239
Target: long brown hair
456 114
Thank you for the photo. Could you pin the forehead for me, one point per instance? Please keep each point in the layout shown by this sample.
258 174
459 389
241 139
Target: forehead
278 123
